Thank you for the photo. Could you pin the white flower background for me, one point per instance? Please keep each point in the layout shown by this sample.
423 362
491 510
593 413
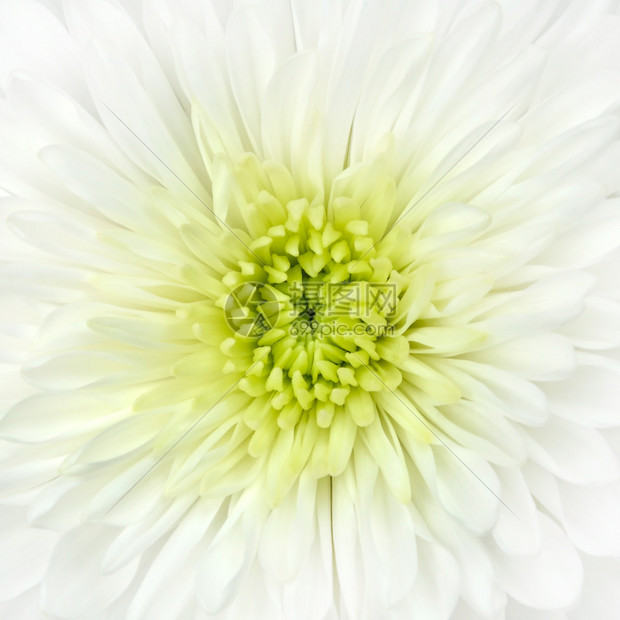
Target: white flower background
474 474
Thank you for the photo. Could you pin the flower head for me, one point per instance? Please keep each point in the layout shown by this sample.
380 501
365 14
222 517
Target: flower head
309 309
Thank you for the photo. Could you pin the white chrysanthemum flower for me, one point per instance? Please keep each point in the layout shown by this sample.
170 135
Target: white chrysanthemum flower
309 310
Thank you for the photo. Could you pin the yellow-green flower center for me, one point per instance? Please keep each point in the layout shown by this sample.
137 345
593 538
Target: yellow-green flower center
317 303
300 308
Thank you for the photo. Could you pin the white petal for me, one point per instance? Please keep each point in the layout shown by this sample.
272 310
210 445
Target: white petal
514 397
552 579
481 429
60 505
454 62
255 599
573 452
181 550
479 587
46 416
547 304
25 473
392 537
516 611
24 607
249 43
99 186
130 495
518 533
597 327
291 108
388 89
542 357
468 488
601 596
347 551
24 553
567 109
225 564
118 442
310 595
137 125
135 539
590 515
55 118
33 39
590 396
74 586
289 532
435 593
316 24
200 61
588 242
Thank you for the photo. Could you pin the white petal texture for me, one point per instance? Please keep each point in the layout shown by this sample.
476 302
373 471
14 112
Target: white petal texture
309 309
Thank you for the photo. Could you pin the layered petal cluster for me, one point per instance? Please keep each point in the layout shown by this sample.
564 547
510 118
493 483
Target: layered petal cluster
309 310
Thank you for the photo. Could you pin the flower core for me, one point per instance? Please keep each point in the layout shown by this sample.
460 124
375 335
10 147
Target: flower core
308 314
318 306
